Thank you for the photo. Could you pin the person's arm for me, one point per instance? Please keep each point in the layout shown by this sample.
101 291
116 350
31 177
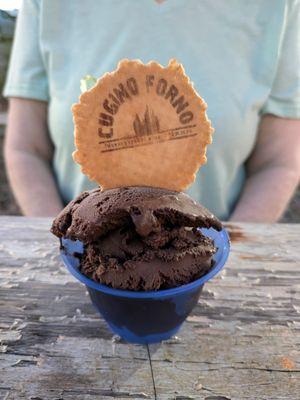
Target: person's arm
273 171
28 154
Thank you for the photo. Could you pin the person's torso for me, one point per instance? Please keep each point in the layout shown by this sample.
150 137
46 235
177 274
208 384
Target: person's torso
228 49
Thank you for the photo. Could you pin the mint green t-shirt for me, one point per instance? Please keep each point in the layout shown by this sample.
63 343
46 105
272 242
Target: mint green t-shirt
243 57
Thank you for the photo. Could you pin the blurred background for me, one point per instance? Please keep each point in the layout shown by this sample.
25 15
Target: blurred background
8 14
8 206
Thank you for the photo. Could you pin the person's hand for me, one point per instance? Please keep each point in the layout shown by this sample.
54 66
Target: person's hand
273 171
28 154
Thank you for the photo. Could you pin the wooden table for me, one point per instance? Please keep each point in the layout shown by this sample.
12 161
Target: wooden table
241 342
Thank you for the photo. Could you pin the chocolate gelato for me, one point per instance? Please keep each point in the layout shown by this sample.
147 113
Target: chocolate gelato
139 238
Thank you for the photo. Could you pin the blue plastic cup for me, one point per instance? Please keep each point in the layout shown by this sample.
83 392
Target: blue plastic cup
146 317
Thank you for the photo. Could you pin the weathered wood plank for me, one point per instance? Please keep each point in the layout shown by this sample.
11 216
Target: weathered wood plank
241 342
243 339
53 344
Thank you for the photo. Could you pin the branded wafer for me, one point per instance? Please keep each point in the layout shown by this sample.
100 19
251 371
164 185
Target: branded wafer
142 125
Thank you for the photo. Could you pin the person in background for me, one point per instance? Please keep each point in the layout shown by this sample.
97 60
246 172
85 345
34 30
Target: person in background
244 60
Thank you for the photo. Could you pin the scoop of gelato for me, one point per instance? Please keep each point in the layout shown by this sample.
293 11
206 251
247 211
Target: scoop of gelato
139 238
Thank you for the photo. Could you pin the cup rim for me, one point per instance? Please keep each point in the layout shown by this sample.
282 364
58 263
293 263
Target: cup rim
224 237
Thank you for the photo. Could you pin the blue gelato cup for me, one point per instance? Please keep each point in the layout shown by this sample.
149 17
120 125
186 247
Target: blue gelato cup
146 317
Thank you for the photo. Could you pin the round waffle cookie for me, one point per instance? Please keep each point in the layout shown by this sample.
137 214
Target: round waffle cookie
142 125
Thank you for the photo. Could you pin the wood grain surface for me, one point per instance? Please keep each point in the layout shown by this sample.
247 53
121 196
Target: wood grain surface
242 341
